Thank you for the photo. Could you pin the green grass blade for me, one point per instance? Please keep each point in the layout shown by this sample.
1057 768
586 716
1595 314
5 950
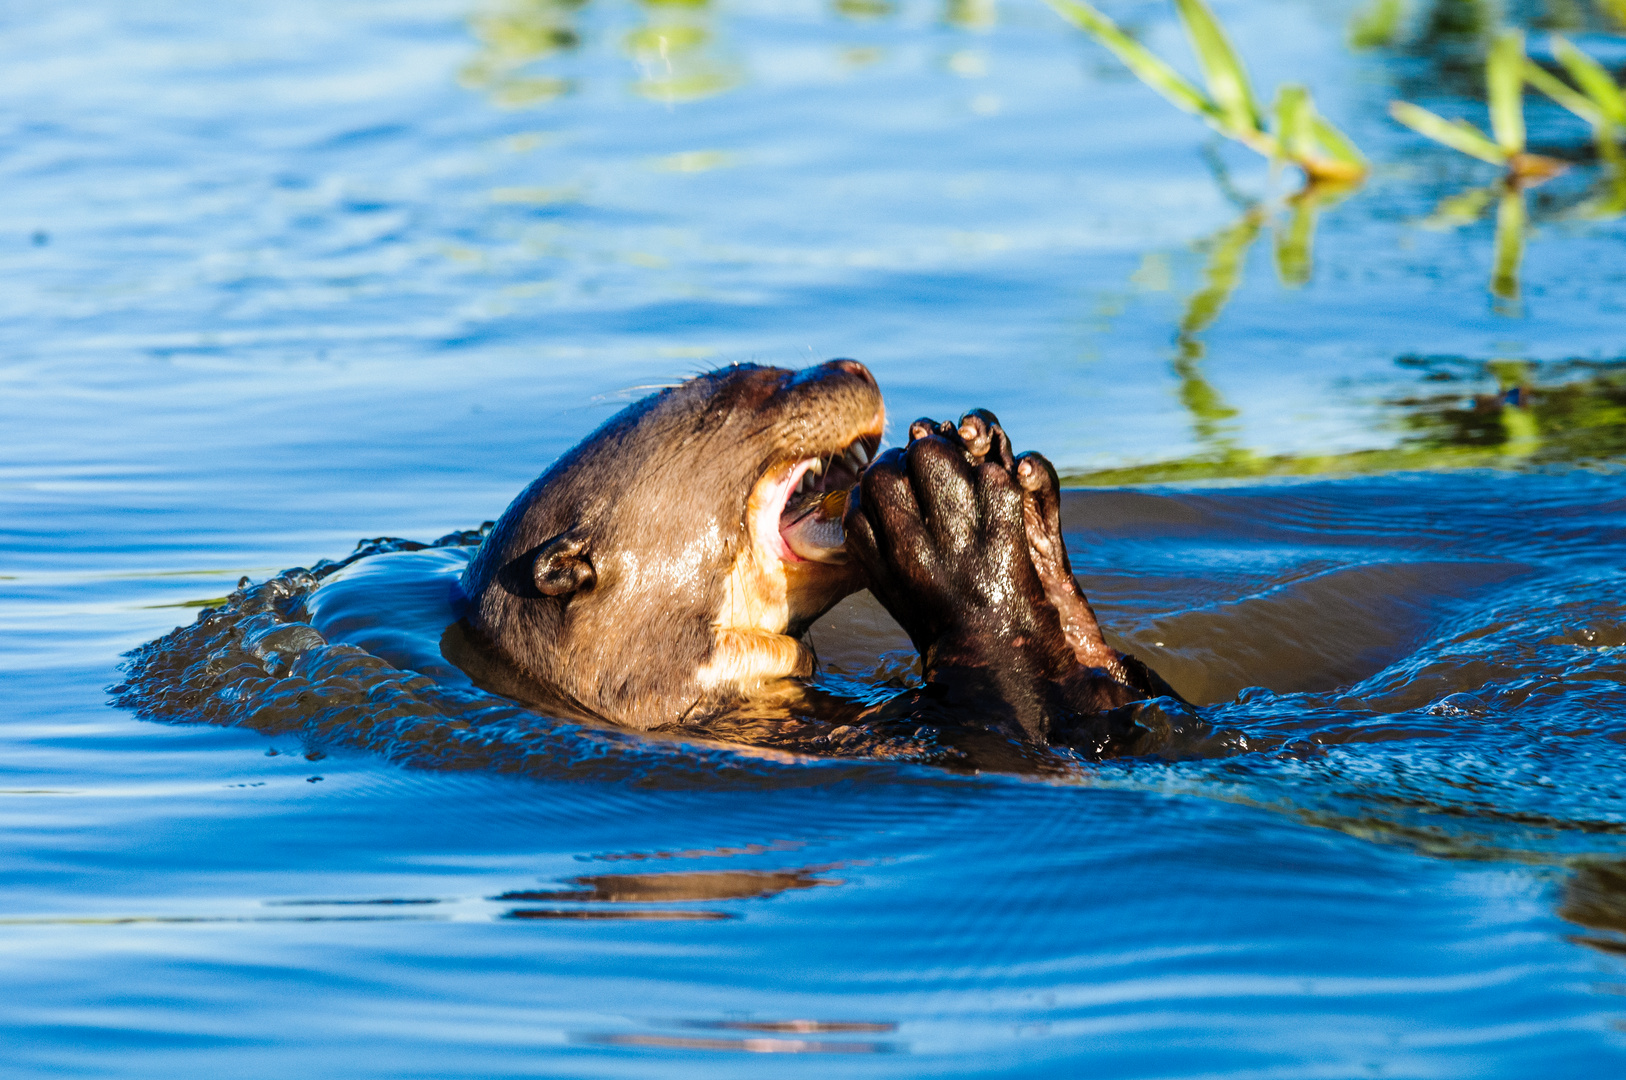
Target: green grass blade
1376 24
1609 202
1305 138
1146 65
1458 134
1593 79
1336 144
1510 228
1222 68
1295 122
1561 92
1504 84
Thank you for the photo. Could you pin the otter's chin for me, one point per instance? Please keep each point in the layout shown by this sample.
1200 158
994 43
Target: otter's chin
792 569
813 588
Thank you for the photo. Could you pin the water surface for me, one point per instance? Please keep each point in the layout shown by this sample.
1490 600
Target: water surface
285 278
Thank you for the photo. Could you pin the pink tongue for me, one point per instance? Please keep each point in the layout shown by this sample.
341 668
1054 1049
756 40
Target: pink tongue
815 532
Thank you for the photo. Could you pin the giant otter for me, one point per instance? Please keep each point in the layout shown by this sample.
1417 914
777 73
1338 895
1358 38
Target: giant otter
664 569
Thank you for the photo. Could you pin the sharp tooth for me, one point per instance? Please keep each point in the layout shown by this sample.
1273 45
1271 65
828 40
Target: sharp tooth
817 468
860 453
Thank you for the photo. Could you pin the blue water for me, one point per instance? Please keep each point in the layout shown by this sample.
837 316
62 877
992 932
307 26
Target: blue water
287 277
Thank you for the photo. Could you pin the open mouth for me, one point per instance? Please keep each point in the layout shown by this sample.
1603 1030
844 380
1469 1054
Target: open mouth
800 517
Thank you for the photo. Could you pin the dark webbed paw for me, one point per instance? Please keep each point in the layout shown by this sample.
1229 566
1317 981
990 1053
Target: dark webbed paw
980 430
985 441
962 544
942 538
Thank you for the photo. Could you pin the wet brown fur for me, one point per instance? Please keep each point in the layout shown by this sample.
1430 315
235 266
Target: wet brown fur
680 607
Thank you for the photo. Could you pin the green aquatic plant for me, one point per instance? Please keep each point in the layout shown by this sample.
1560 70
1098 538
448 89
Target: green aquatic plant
1505 69
1297 134
1595 98
977 15
1613 12
1608 200
1377 24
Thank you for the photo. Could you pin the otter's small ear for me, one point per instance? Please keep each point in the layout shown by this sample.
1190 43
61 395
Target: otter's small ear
562 567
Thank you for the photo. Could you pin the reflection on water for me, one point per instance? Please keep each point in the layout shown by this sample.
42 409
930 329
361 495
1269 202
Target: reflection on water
514 36
978 15
1448 28
865 9
675 51
669 887
1504 413
1293 226
578 900
1432 665
748 1046
1595 898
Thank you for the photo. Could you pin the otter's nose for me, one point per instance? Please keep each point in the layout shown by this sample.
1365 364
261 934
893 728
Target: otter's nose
851 367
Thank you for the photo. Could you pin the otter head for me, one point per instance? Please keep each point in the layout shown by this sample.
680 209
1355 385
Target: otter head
669 562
